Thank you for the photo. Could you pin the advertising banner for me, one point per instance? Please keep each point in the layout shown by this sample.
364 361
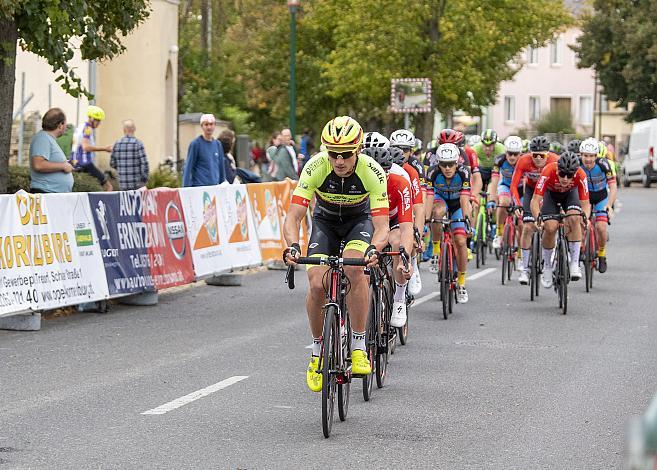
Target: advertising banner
168 256
410 95
236 216
125 239
265 202
48 257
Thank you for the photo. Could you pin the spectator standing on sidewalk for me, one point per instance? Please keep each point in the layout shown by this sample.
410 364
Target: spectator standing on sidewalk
129 159
205 157
50 171
307 147
286 158
83 155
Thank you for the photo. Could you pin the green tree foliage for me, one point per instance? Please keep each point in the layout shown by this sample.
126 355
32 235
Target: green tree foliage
557 121
620 41
53 29
348 51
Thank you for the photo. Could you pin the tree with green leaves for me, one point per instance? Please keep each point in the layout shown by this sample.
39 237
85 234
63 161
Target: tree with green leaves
49 28
620 42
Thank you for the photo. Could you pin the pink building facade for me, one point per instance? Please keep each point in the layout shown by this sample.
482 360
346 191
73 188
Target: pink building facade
548 79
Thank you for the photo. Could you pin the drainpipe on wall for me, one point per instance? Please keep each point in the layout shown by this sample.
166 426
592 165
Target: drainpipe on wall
92 80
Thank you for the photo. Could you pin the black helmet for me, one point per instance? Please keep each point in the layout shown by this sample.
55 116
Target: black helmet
568 162
396 155
380 155
540 143
573 145
489 137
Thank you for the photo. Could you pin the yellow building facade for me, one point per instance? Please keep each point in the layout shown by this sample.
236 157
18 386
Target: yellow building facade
140 84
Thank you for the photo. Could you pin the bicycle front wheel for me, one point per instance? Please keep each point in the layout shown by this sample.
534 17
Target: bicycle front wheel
330 354
444 280
563 276
371 344
384 331
345 386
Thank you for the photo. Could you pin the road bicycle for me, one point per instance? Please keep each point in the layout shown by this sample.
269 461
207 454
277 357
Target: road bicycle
484 232
381 335
447 263
561 272
509 249
590 251
335 356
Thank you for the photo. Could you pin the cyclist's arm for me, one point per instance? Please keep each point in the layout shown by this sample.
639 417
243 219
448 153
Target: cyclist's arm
295 215
407 237
515 181
381 230
535 205
583 191
494 180
87 147
477 185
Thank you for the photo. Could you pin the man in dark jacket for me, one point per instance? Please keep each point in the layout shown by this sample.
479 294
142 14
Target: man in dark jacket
205 164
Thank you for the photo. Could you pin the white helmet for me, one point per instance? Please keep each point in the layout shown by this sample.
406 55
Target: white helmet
402 138
448 153
589 145
513 144
374 139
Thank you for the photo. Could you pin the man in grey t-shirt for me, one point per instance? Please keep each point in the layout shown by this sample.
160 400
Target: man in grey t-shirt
49 168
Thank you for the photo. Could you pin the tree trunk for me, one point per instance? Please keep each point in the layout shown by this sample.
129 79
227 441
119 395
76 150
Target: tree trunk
8 38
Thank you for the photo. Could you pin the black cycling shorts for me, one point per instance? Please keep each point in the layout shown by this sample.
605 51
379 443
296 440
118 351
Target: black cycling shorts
554 202
486 174
327 236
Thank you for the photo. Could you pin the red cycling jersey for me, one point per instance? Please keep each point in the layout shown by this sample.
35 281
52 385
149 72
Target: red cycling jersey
415 183
549 181
525 167
399 199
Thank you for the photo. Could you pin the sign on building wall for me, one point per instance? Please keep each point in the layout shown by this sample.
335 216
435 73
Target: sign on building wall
410 95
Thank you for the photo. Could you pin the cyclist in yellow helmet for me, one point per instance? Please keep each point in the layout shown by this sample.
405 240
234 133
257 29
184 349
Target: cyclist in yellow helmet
82 157
351 208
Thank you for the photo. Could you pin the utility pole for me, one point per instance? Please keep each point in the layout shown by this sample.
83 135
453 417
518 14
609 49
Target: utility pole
293 5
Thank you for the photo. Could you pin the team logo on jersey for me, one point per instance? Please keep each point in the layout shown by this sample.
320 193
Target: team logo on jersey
377 171
313 245
365 234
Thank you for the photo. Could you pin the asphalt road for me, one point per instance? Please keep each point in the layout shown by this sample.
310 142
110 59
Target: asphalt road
504 383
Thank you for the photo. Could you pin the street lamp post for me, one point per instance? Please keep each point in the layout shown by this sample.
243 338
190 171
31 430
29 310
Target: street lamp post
293 5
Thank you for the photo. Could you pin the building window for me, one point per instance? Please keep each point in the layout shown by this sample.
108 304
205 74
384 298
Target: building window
534 108
604 104
509 108
586 110
556 50
532 55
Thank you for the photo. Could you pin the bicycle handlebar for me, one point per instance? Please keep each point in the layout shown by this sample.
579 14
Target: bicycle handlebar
333 261
401 253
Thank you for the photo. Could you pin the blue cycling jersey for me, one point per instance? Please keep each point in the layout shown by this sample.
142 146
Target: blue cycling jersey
504 169
599 176
450 190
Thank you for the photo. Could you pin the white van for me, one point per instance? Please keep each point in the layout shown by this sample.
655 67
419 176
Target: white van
639 164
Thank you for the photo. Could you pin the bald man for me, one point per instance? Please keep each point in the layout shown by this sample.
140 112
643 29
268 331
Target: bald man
129 159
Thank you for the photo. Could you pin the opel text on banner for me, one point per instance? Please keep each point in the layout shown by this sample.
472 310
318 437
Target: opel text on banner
48 254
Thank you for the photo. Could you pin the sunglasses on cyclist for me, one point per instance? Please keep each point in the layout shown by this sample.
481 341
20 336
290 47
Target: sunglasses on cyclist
513 154
539 155
447 164
563 174
343 155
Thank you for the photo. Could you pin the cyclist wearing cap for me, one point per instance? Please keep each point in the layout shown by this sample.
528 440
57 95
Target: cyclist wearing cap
487 149
562 186
82 157
451 185
602 193
405 141
528 168
351 207
401 226
500 182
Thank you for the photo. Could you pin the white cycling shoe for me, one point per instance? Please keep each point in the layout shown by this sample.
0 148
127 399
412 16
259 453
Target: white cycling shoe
461 295
497 242
398 318
575 272
415 283
433 265
546 278
523 278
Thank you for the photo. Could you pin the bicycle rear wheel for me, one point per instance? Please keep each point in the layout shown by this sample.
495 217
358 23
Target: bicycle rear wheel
538 263
371 345
592 253
479 241
330 354
403 331
444 280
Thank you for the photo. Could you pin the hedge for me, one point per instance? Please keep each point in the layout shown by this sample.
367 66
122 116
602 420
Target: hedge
19 178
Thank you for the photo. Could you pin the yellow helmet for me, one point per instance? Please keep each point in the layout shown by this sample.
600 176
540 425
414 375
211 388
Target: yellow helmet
602 149
342 133
96 112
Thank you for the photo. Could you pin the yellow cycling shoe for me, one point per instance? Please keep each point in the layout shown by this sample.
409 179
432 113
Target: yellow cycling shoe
360 364
470 254
313 378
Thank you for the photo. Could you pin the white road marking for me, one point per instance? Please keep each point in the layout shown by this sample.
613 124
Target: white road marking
428 297
204 392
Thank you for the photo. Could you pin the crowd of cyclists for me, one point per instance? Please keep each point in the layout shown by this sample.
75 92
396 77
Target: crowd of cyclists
371 193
